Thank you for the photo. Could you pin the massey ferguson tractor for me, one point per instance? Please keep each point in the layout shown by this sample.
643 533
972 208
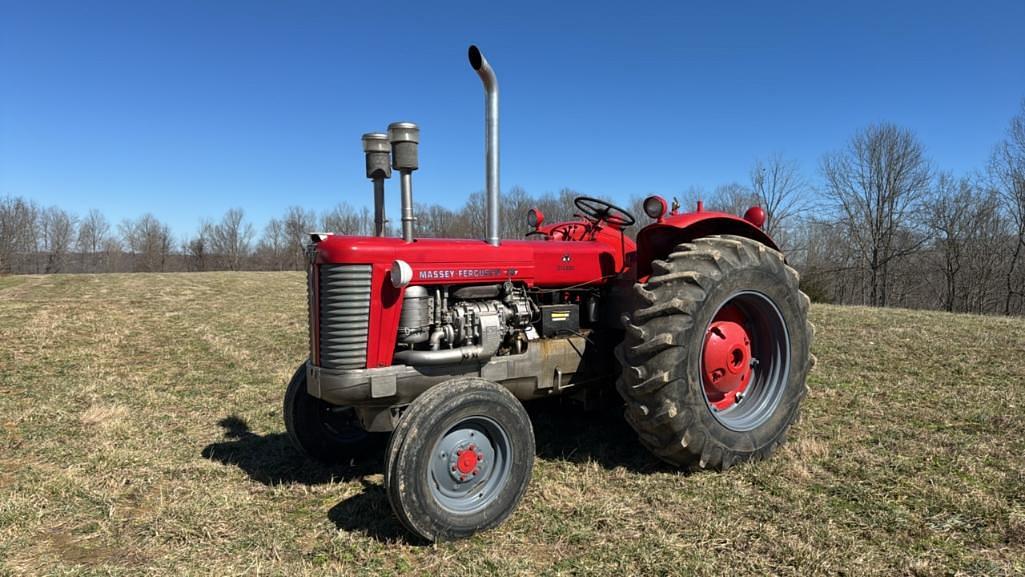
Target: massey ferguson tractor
439 341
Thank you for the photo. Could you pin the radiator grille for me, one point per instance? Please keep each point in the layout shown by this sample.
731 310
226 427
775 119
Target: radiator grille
344 315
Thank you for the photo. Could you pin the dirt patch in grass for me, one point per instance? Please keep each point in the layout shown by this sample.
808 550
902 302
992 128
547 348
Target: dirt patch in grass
140 434
77 551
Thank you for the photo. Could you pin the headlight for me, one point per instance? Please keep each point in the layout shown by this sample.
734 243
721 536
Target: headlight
535 217
655 207
401 273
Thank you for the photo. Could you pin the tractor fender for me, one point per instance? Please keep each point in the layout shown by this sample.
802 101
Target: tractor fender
657 240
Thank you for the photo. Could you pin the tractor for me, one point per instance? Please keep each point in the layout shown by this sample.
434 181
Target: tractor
440 341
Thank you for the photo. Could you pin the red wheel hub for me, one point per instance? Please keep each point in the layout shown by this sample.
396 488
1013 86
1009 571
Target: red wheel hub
726 358
466 460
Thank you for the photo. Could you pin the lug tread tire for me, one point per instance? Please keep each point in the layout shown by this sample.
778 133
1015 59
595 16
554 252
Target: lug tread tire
665 401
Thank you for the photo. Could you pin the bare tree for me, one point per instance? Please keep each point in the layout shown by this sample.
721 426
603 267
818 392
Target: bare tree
558 207
434 221
148 241
472 222
343 219
92 232
56 234
273 249
950 219
231 238
198 249
18 219
733 198
779 188
986 249
513 215
298 223
1007 174
112 254
876 183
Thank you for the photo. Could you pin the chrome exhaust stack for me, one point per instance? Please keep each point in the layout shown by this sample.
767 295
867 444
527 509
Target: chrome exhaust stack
404 138
490 81
378 153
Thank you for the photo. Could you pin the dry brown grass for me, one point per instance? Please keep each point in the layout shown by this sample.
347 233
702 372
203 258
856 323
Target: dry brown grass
140 435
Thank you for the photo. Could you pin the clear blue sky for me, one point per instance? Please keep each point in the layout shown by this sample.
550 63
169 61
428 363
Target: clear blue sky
188 108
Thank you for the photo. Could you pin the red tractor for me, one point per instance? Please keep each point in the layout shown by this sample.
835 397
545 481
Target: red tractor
439 341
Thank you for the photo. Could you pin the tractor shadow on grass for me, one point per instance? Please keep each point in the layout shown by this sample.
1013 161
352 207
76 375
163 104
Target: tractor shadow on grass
368 512
272 460
562 432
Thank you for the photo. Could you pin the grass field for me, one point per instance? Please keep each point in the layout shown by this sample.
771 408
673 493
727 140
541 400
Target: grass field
140 434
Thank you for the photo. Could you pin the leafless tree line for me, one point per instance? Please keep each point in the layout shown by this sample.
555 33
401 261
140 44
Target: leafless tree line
881 227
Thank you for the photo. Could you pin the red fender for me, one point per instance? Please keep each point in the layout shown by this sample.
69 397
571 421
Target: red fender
658 239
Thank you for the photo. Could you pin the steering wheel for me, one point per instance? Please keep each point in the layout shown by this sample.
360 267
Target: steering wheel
596 209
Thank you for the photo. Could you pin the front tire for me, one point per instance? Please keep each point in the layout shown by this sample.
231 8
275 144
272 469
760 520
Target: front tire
460 459
324 432
716 353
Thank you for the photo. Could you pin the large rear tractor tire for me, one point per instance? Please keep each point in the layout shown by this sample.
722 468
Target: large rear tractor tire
459 460
324 432
715 353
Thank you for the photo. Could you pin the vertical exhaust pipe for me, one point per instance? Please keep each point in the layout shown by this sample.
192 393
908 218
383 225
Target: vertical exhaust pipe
378 153
404 138
490 81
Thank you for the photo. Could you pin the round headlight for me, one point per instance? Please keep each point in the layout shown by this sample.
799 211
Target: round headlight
535 217
401 273
655 206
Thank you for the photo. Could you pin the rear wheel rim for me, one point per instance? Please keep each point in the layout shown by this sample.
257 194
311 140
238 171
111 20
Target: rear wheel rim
742 397
470 465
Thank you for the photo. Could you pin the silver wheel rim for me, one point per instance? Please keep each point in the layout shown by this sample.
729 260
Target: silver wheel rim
770 347
458 489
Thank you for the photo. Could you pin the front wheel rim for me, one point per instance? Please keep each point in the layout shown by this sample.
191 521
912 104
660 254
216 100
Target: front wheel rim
470 465
745 361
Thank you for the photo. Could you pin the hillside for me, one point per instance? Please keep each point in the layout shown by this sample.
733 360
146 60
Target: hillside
140 434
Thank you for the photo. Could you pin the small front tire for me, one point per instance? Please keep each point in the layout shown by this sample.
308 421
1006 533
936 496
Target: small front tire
324 432
459 460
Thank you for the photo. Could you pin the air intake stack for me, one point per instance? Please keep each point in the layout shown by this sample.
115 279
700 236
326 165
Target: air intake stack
378 152
404 137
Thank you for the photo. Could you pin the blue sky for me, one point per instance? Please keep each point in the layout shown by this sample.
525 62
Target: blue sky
188 108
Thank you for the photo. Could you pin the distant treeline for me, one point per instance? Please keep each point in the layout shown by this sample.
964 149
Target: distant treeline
877 225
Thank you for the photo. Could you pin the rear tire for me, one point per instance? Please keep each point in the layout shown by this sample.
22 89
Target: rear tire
459 460
322 431
669 385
